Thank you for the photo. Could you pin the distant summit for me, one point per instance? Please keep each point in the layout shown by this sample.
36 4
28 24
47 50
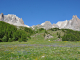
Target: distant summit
73 24
12 19
47 25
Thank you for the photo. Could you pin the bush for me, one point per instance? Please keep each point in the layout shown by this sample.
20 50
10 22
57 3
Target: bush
24 37
71 35
54 29
59 36
10 40
44 35
57 33
4 39
13 39
20 40
41 29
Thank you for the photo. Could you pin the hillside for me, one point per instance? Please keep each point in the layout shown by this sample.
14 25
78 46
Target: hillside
9 33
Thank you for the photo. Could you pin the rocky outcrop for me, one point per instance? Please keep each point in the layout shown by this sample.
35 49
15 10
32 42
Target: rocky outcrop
48 36
1 17
21 21
59 39
12 19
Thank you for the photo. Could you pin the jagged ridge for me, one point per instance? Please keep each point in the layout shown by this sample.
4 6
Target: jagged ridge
12 19
73 24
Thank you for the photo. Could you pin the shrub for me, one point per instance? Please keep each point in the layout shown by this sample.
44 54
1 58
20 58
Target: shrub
71 35
54 29
41 29
10 40
4 39
59 35
44 35
24 37
20 40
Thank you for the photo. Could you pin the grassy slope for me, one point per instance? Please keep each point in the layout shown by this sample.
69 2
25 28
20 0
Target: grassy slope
39 49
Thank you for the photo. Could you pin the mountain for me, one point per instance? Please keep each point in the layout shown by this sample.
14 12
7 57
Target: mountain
46 25
12 19
73 24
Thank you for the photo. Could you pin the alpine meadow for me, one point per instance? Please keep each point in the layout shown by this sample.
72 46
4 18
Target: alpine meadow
39 29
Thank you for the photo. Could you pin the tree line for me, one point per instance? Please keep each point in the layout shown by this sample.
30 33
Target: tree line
9 33
71 35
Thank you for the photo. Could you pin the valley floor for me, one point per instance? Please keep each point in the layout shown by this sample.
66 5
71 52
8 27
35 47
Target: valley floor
40 50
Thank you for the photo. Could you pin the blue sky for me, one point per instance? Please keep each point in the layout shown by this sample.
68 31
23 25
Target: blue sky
35 12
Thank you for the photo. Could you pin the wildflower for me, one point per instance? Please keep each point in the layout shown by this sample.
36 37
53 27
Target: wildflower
11 48
36 59
12 52
54 48
43 56
48 40
65 41
27 58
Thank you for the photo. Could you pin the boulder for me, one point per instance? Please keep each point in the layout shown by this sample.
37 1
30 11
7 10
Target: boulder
48 36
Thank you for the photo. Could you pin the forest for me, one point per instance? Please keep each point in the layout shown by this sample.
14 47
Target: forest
9 33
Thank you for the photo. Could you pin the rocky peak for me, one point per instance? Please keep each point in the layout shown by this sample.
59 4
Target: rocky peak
2 14
75 19
12 19
47 25
1 17
75 16
21 21
48 22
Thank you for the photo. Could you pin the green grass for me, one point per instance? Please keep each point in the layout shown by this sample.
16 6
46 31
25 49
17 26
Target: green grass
37 48
40 50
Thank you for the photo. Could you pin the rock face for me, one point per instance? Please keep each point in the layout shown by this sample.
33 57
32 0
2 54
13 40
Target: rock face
1 17
12 19
55 26
47 25
73 24
62 24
